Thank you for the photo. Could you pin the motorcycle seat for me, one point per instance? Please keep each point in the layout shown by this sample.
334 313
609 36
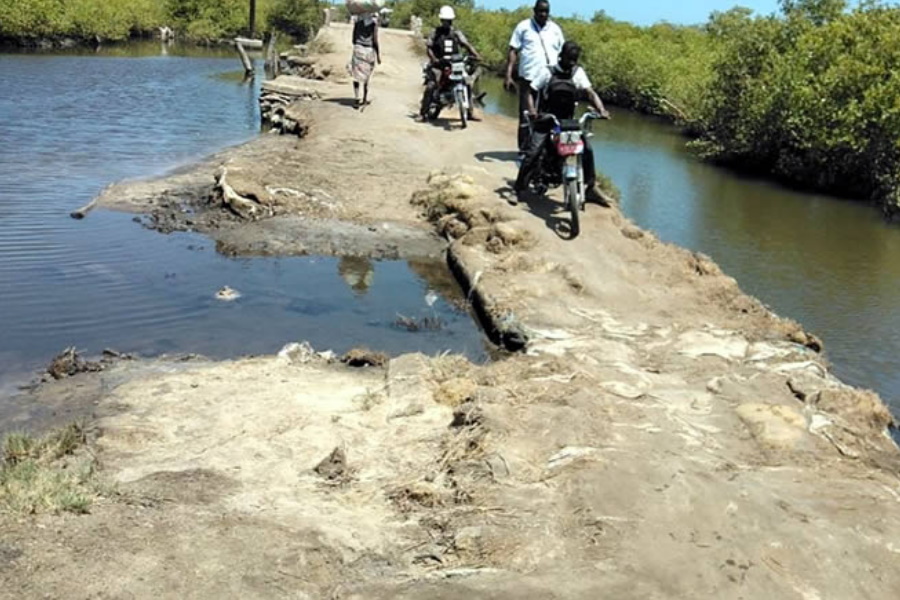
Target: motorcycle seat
569 125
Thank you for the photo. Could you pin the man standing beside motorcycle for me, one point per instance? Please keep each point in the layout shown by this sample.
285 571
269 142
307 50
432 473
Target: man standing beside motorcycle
558 91
533 50
444 42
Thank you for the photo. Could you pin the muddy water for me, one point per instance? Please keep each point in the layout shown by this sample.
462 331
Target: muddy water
69 125
830 264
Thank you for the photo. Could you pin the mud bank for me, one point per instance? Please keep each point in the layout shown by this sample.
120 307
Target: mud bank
660 435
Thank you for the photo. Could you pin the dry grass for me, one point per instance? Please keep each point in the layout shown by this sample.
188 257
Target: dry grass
455 392
322 44
449 366
43 474
370 399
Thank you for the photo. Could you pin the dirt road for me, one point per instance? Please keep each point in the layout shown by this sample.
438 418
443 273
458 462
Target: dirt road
660 435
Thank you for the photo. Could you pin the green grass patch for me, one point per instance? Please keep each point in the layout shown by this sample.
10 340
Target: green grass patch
48 474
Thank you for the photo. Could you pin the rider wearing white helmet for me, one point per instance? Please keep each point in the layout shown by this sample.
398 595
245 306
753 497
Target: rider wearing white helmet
444 42
446 13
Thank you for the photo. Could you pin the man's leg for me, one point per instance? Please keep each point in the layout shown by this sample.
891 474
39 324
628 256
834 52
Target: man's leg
430 88
590 176
471 111
531 162
587 164
524 91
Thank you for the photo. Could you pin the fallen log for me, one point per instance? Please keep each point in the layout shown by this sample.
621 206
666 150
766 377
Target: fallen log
239 205
84 210
249 43
674 108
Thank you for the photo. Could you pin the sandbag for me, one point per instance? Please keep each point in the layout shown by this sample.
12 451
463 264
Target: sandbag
359 7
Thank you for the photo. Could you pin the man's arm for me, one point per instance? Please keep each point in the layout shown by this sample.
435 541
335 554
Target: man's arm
464 42
515 44
471 49
429 44
583 83
596 103
511 62
377 44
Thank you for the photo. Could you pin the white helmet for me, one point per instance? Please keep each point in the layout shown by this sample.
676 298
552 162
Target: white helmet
447 13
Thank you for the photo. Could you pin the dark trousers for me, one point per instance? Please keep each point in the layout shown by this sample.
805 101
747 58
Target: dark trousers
531 164
525 90
431 86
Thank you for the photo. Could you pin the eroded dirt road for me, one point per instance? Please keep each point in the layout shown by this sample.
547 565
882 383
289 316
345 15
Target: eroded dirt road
662 435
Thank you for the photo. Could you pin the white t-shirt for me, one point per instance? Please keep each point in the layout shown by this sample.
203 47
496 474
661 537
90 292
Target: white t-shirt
579 79
538 47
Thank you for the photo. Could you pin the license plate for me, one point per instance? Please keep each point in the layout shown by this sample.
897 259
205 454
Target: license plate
570 172
570 149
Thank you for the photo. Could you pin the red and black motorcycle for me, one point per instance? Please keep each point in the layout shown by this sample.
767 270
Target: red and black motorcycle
560 160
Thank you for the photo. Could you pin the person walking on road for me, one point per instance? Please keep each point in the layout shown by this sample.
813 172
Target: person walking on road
366 53
534 47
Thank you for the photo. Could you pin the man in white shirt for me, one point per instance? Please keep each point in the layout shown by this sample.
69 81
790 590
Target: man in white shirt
534 46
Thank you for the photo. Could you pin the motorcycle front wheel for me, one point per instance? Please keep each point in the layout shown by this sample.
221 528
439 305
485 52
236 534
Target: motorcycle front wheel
573 202
463 111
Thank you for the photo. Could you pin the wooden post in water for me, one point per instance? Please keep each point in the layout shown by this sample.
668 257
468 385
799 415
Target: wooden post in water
273 61
245 60
252 19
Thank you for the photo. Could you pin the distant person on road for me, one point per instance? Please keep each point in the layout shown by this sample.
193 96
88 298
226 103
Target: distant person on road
444 42
366 53
559 91
534 47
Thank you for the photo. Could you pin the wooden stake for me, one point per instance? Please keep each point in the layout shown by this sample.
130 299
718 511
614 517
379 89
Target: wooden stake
245 60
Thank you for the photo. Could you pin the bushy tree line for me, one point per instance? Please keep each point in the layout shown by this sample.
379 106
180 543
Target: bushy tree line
812 96
109 19
120 19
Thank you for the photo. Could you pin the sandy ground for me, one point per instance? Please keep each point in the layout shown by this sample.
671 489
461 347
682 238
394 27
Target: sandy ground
661 435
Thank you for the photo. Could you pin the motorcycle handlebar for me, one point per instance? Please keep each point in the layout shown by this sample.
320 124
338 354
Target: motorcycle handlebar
588 116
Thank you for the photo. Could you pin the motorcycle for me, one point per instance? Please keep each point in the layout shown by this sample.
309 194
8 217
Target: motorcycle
457 79
560 160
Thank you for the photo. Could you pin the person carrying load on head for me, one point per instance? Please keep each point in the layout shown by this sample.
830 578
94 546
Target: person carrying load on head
366 53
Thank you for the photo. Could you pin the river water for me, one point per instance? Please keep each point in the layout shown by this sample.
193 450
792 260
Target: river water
830 264
71 124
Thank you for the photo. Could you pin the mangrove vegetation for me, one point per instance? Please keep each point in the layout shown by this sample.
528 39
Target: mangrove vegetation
45 22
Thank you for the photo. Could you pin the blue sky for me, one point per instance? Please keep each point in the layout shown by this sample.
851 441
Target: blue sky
642 12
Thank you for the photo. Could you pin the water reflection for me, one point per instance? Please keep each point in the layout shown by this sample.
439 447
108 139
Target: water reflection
357 272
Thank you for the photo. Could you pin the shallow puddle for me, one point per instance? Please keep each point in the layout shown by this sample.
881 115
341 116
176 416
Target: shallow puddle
158 294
